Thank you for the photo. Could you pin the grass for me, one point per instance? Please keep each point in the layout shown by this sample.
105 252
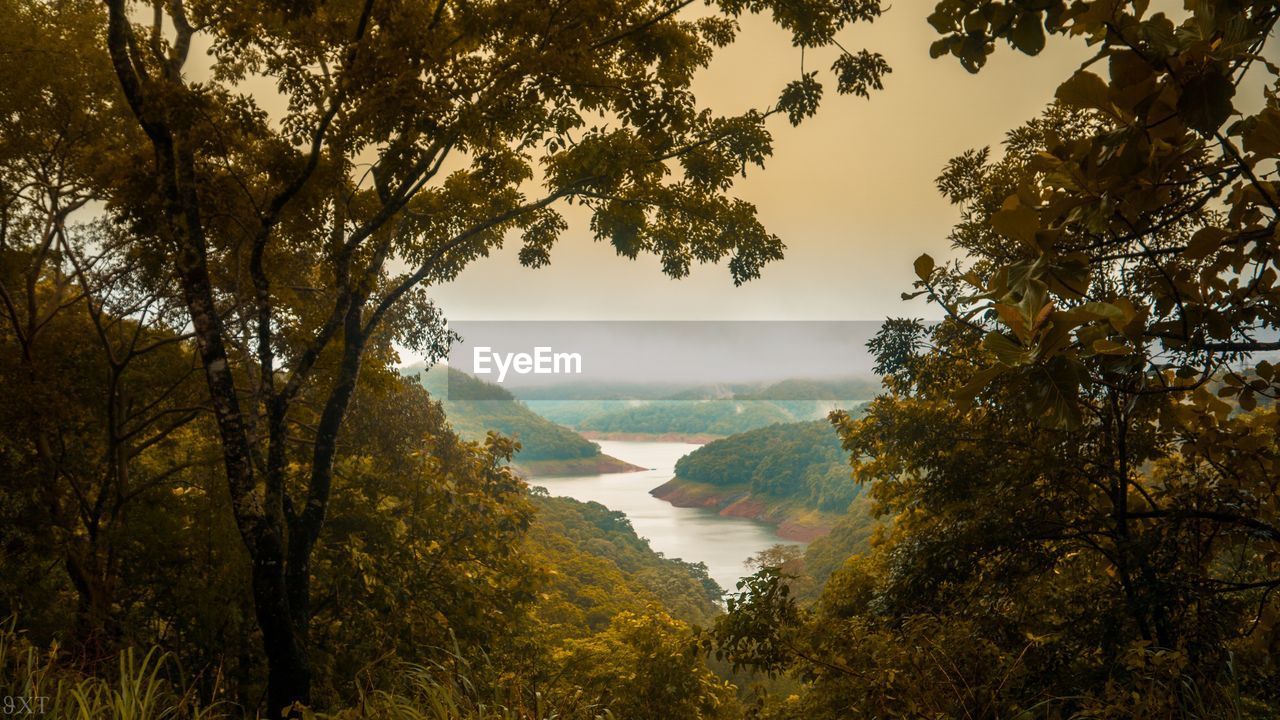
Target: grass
35 682
149 686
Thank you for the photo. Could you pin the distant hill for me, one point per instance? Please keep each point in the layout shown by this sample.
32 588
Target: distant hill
573 412
801 461
694 411
813 399
710 417
546 448
793 475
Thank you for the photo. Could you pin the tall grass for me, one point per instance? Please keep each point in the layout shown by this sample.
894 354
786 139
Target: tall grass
36 682
149 686
461 685
426 695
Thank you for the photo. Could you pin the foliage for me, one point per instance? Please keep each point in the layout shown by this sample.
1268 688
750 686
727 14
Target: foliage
791 460
851 536
329 161
427 529
102 390
35 681
598 567
649 665
152 688
1079 473
1137 225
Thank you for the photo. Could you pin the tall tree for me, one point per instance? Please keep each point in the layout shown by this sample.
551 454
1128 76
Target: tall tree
390 144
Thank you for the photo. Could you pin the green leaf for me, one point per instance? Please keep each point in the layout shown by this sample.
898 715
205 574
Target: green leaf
1263 134
800 98
1057 397
1007 351
1011 317
965 394
1118 316
1204 242
1128 68
1248 401
1107 346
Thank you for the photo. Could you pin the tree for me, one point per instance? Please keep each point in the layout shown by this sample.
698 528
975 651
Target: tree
1080 461
425 543
107 386
1141 270
1154 222
409 135
649 665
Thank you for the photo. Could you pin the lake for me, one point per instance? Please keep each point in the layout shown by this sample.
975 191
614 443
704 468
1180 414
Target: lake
691 534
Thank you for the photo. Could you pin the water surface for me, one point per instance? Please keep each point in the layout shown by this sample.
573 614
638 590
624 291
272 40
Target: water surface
691 534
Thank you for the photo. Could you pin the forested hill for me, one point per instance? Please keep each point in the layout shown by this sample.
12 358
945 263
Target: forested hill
599 567
705 417
545 446
791 475
792 460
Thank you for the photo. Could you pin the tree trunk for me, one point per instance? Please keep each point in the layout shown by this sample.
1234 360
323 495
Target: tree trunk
288 665
96 633
259 511
279 545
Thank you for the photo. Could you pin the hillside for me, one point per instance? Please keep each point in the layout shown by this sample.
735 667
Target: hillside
599 567
546 448
793 475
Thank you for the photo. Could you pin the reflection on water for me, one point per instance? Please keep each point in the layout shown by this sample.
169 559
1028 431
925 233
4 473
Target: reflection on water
692 534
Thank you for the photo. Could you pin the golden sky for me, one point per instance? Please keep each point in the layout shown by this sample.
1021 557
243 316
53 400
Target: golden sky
850 191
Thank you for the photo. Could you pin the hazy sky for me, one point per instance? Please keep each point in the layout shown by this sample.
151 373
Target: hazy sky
850 191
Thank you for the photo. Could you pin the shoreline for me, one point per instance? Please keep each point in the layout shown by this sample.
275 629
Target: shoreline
790 519
694 438
555 467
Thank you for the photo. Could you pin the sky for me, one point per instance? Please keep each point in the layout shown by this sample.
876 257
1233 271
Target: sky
849 191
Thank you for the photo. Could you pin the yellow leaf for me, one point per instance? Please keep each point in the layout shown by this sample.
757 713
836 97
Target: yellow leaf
1107 346
1204 242
1017 223
1084 90
924 267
